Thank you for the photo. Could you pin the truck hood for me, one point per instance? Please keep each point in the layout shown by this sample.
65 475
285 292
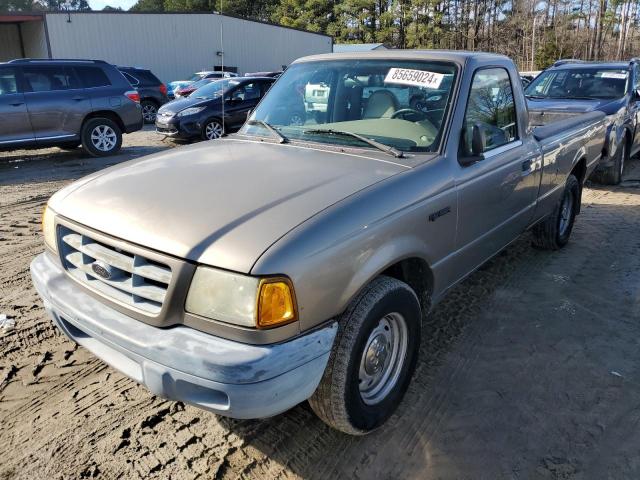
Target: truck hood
544 111
220 203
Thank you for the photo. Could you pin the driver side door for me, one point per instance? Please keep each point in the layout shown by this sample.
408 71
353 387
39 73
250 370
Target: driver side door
497 189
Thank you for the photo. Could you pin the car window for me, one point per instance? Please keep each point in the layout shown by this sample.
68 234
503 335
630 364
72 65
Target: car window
133 81
92 77
249 91
579 83
637 77
8 82
49 78
492 108
144 77
265 86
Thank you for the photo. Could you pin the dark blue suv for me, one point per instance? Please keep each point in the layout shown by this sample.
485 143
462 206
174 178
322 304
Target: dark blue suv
66 103
572 87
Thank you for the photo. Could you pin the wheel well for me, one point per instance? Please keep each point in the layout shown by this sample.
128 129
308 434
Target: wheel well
416 273
106 114
151 100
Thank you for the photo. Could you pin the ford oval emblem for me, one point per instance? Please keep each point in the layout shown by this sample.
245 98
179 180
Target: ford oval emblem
101 269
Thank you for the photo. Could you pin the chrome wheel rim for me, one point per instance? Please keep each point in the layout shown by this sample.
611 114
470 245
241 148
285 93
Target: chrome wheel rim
104 138
296 120
382 359
149 112
213 130
565 213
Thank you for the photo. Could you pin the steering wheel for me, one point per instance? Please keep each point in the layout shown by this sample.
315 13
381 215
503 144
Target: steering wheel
408 111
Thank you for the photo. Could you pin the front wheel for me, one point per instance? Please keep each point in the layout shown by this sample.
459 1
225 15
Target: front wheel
373 358
212 130
613 175
101 137
553 233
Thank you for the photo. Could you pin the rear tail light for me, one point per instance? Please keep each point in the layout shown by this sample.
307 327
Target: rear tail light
133 95
163 89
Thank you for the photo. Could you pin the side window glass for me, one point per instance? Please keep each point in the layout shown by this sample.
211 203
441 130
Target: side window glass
48 78
637 77
251 91
491 109
95 77
8 82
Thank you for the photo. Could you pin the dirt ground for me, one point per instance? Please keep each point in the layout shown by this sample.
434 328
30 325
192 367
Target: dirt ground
529 369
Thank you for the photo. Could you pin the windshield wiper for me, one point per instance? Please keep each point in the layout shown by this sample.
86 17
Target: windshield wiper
380 146
268 126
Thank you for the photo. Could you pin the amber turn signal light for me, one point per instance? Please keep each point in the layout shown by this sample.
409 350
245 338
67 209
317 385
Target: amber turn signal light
276 303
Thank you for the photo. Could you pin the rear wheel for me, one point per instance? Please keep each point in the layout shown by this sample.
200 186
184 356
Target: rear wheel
212 129
149 111
373 358
553 233
101 137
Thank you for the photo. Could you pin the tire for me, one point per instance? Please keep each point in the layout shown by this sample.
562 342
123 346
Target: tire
613 175
347 398
149 111
553 233
101 137
212 129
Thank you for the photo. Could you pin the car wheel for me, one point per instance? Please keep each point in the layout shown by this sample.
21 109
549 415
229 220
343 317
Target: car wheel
149 111
373 358
613 174
101 137
212 130
553 233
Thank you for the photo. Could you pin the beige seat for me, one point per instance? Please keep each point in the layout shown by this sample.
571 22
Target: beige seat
381 104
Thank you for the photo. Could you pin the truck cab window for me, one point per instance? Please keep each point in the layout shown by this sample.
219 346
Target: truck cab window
491 108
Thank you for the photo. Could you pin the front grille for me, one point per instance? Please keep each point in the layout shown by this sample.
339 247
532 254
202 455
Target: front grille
126 277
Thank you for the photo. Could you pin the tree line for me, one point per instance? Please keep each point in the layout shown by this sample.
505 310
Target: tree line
533 33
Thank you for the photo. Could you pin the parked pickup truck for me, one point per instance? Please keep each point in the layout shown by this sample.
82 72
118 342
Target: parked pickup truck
573 87
295 262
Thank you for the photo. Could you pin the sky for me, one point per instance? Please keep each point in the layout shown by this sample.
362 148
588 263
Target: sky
100 4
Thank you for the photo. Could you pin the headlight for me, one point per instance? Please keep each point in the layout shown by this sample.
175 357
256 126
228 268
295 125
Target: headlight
241 299
190 111
49 228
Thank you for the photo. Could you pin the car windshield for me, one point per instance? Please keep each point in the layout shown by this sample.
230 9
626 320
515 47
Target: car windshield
579 83
196 77
397 103
214 89
198 84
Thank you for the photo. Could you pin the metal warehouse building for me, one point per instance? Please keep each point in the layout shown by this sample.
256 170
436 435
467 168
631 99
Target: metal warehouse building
173 45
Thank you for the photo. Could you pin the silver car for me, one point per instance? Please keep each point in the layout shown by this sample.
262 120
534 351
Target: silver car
297 260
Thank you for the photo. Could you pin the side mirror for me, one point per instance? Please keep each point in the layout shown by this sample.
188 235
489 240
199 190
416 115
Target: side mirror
478 143
478 140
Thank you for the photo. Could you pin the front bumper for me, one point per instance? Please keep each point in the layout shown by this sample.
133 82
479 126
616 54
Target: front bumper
179 127
180 363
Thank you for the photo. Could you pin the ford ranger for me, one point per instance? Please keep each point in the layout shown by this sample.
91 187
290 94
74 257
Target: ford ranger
296 261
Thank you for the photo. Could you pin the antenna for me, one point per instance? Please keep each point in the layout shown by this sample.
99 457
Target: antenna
222 62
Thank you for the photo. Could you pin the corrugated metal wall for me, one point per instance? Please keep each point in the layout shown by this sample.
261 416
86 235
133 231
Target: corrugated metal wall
176 45
9 42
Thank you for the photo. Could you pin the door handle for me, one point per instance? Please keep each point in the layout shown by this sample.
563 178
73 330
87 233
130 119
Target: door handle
16 104
526 165
77 99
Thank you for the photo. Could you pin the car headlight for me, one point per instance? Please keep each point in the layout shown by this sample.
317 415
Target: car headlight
241 299
190 111
49 228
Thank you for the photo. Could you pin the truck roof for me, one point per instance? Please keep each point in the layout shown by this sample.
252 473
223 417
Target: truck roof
455 56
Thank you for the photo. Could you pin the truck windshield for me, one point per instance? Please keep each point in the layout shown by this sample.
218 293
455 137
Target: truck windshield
579 83
400 104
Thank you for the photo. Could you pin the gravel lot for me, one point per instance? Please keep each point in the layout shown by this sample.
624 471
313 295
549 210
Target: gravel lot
528 370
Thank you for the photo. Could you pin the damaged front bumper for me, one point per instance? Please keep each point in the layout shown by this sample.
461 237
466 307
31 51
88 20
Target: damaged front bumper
180 363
